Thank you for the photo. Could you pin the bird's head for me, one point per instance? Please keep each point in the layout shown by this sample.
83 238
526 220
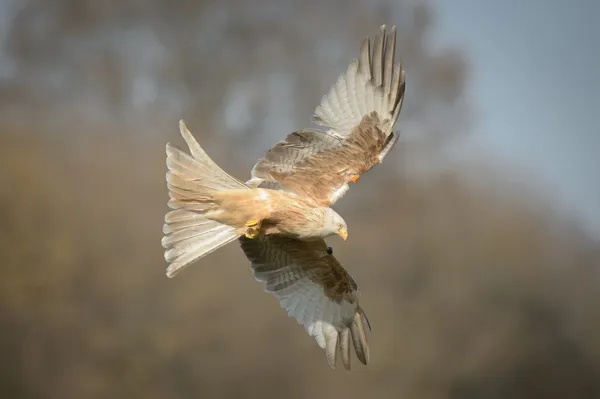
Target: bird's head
335 224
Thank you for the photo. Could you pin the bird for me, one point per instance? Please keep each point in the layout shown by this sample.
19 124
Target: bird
281 215
212 208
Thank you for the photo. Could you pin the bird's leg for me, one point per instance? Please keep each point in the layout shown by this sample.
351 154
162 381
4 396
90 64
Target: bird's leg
253 228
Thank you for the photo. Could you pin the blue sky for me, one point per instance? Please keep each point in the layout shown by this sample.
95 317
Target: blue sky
536 84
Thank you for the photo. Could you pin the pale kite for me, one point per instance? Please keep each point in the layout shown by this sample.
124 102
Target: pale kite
282 214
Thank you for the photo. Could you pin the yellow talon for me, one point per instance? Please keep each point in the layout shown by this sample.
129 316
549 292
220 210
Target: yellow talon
253 229
355 178
251 233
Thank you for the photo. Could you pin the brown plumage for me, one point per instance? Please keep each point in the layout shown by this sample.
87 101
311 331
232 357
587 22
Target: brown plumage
211 209
315 289
277 212
359 113
282 213
336 167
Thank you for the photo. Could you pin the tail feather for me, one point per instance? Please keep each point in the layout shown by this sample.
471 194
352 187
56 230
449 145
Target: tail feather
193 230
191 181
188 206
199 166
188 251
186 220
181 215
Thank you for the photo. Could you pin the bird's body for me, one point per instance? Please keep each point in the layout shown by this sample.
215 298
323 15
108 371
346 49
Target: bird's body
282 213
276 212
211 209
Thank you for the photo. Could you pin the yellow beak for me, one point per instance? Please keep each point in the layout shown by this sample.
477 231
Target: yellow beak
343 233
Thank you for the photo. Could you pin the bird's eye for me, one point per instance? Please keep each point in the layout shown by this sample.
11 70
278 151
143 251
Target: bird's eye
340 226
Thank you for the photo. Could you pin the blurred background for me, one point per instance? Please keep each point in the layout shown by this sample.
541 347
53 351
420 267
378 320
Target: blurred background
475 245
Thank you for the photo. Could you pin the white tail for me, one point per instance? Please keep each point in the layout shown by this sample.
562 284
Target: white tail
188 234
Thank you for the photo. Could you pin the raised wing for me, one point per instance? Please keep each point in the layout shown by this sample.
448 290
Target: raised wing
315 289
359 113
371 84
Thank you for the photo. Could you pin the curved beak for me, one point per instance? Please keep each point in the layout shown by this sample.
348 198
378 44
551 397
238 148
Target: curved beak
343 232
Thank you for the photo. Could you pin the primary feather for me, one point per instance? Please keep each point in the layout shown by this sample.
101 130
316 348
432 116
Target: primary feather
359 113
315 289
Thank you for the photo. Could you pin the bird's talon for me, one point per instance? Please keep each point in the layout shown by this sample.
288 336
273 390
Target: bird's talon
355 178
251 233
253 230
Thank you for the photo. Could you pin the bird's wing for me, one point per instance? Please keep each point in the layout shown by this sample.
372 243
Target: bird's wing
359 113
371 84
315 289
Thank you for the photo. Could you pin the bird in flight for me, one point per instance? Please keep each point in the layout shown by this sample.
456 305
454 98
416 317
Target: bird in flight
282 214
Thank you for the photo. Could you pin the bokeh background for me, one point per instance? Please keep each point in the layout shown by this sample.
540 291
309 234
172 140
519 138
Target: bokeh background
477 253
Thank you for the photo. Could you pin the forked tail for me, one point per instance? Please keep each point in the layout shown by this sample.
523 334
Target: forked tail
189 235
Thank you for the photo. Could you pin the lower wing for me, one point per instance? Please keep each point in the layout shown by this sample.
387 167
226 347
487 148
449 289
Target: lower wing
315 289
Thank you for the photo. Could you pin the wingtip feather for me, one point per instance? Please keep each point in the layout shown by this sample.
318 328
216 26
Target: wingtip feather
331 344
359 338
344 342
